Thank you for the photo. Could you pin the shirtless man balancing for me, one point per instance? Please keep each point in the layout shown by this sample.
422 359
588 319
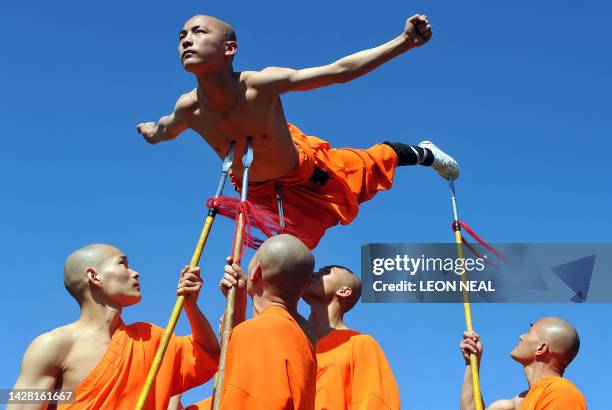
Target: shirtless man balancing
231 106
102 358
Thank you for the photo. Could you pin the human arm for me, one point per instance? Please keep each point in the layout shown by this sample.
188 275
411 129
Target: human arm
417 32
40 367
169 126
471 344
201 331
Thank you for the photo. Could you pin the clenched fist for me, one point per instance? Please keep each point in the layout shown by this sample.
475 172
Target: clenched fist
417 30
149 132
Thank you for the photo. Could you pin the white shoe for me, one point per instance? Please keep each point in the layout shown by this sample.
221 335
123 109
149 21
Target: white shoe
443 163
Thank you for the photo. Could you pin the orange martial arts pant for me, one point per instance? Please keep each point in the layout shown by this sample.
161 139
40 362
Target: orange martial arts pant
355 176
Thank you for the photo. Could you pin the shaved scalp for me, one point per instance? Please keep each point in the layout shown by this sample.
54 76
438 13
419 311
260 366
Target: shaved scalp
228 31
76 265
286 264
562 337
347 278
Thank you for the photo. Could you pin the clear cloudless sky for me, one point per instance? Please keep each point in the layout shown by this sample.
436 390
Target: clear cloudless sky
519 92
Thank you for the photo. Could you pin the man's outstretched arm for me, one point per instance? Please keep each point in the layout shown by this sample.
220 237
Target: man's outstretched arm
416 33
169 126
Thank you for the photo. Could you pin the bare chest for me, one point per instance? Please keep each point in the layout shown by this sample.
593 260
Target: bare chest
254 115
84 356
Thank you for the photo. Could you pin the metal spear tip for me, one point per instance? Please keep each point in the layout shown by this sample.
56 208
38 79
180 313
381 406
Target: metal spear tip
247 157
229 158
451 185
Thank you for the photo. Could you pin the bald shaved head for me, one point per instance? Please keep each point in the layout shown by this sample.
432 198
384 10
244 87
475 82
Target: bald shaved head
100 272
562 337
550 339
207 45
76 265
335 282
286 264
226 30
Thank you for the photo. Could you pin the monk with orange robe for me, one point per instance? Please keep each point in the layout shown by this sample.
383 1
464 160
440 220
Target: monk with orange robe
353 372
545 351
271 361
104 360
229 106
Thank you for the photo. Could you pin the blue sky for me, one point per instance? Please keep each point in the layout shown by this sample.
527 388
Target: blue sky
518 92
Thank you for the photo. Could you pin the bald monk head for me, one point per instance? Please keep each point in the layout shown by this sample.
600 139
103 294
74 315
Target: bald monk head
207 44
334 284
550 340
282 267
99 273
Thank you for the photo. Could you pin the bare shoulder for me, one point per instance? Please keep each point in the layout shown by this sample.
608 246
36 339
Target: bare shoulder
267 76
50 348
186 103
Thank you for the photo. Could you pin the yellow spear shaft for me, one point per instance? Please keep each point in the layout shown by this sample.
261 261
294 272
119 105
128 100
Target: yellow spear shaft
178 306
466 301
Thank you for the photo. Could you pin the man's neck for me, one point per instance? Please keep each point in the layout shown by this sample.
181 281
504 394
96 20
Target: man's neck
98 317
325 318
536 371
219 90
261 303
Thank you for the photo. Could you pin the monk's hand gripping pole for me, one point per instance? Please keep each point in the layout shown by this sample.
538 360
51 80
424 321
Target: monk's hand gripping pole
178 306
466 301
228 316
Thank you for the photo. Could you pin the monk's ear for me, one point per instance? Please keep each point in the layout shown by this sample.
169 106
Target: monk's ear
344 292
256 275
231 48
542 350
93 277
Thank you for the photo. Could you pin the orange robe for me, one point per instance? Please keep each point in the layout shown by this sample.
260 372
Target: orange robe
270 365
353 373
356 175
554 393
117 379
